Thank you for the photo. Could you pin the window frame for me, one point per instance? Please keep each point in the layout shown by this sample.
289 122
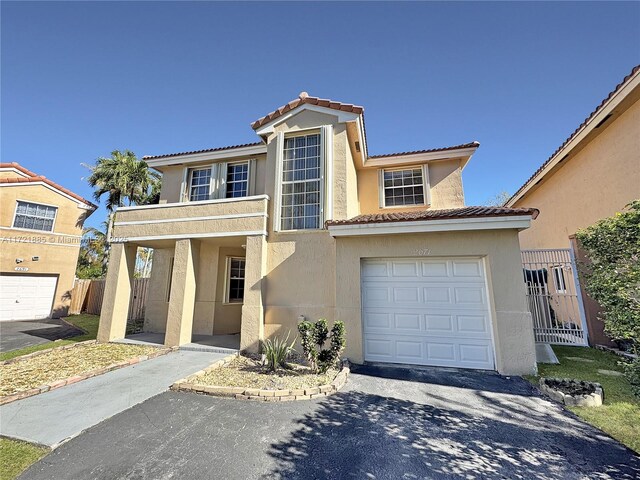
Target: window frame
218 180
190 185
559 280
426 186
325 132
15 214
227 280
224 176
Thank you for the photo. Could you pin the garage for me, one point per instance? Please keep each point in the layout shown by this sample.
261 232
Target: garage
26 297
427 311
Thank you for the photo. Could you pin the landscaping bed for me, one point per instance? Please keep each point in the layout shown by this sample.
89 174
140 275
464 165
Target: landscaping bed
44 370
248 372
574 393
618 416
245 377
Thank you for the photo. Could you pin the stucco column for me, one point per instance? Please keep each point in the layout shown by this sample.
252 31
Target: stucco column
183 293
252 328
117 292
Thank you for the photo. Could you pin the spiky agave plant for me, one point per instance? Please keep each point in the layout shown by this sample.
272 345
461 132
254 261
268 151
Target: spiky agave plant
277 351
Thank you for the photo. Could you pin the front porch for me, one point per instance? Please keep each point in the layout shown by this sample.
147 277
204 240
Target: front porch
206 285
199 343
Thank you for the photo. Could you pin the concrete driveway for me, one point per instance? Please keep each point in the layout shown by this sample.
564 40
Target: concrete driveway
386 424
26 333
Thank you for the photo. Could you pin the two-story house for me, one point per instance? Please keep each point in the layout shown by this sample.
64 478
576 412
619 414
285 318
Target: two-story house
40 232
249 239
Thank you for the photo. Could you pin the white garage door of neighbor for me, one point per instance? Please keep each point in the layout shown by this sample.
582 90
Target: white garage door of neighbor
25 297
427 312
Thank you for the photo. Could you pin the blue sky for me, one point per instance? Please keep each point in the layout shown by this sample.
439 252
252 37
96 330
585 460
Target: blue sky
81 79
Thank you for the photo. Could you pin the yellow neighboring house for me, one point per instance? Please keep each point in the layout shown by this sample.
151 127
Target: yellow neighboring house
592 175
40 232
250 239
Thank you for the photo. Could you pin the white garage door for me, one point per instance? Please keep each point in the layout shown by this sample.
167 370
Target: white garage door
25 297
427 312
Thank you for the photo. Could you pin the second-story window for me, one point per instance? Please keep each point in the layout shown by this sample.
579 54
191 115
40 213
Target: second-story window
200 184
34 216
237 180
403 187
301 183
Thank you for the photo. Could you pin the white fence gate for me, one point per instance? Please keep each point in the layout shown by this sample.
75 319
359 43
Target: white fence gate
553 296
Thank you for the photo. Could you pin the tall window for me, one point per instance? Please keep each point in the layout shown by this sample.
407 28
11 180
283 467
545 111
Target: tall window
34 216
235 280
403 187
301 183
200 184
237 180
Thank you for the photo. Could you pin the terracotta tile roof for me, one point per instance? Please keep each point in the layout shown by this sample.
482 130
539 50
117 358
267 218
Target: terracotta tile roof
303 99
449 214
207 150
34 177
414 152
635 70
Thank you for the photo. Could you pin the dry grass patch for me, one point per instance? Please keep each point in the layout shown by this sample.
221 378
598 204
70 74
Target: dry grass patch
249 373
59 364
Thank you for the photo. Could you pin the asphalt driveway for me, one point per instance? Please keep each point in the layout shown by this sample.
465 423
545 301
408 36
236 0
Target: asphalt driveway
386 424
26 333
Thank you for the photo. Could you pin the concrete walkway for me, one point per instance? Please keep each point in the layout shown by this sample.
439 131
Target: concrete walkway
54 417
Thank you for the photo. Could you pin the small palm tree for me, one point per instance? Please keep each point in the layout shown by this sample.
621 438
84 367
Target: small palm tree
123 177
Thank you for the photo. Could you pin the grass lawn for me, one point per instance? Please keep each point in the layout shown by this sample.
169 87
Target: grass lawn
86 322
16 456
619 416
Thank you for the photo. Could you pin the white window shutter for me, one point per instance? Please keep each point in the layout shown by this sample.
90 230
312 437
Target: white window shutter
251 178
184 187
326 141
278 184
221 182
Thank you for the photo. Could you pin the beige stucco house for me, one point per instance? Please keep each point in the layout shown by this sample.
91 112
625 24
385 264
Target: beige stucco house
40 231
305 223
592 175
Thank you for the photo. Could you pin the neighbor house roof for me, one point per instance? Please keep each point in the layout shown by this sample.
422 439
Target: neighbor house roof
305 99
31 177
634 72
207 150
415 152
448 214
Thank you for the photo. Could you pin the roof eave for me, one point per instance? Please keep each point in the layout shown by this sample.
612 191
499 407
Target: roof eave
464 154
579 136
167 160
514 222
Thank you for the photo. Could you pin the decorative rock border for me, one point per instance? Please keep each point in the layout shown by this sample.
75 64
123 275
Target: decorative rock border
591 400
187 384
618 352
76 378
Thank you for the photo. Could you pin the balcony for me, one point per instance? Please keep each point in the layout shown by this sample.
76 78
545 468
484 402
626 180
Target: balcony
229 217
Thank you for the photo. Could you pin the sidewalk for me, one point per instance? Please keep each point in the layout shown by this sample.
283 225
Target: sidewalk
54 417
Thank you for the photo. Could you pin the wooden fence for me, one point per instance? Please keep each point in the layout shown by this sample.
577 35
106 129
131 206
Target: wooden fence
86 297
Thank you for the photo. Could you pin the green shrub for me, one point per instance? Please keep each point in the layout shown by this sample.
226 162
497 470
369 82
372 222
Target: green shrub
632 372
313 337
277 352
613 276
